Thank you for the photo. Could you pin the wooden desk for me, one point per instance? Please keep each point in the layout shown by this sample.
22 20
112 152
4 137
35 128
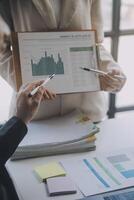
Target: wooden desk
115 134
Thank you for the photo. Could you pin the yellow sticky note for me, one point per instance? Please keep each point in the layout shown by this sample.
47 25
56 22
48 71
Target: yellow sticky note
49 170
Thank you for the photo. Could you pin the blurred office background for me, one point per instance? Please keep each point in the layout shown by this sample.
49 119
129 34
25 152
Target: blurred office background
119 40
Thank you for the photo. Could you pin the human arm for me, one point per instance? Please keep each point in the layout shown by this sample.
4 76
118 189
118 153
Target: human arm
108 83
11 135
15 129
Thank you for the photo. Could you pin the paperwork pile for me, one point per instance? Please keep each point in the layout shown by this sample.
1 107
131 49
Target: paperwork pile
71 133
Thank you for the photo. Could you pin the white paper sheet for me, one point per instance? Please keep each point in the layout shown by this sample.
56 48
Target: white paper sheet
57 129
60 53
102 173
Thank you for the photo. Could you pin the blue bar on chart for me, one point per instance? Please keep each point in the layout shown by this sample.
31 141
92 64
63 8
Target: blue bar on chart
128 174
118 158
96 174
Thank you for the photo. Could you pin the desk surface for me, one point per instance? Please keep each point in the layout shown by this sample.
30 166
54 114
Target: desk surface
115 134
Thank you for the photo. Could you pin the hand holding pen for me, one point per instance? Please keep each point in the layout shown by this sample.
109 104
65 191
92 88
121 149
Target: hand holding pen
111 81
27 106
34 91
103 73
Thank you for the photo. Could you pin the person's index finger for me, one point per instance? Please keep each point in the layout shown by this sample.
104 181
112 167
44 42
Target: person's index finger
33 85
41 90
38 83
109 75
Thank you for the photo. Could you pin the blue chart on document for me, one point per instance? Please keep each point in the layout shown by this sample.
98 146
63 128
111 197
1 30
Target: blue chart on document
106 172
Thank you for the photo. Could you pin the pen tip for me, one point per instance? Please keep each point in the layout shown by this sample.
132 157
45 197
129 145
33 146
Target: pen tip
52 76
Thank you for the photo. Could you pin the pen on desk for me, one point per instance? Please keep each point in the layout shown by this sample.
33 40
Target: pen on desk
100 72
43 84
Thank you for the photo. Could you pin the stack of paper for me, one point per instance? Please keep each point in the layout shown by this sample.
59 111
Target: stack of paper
60 135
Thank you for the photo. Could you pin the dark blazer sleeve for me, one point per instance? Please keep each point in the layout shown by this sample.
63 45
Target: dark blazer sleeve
11 135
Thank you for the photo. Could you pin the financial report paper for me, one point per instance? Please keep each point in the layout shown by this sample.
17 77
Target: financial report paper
63 54
103 172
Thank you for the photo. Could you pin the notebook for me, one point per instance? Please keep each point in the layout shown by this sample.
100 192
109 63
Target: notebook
60 186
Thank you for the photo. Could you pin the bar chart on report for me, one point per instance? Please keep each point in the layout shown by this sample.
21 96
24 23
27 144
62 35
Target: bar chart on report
48 65
62 54
108 172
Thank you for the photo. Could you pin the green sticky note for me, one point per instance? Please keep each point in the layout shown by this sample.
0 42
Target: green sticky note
49 170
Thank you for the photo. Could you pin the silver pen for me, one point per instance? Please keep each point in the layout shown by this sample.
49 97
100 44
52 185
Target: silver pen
100 72
33 92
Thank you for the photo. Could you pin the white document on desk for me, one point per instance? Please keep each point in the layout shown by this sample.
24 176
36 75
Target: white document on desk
103 172
65 134
57 129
